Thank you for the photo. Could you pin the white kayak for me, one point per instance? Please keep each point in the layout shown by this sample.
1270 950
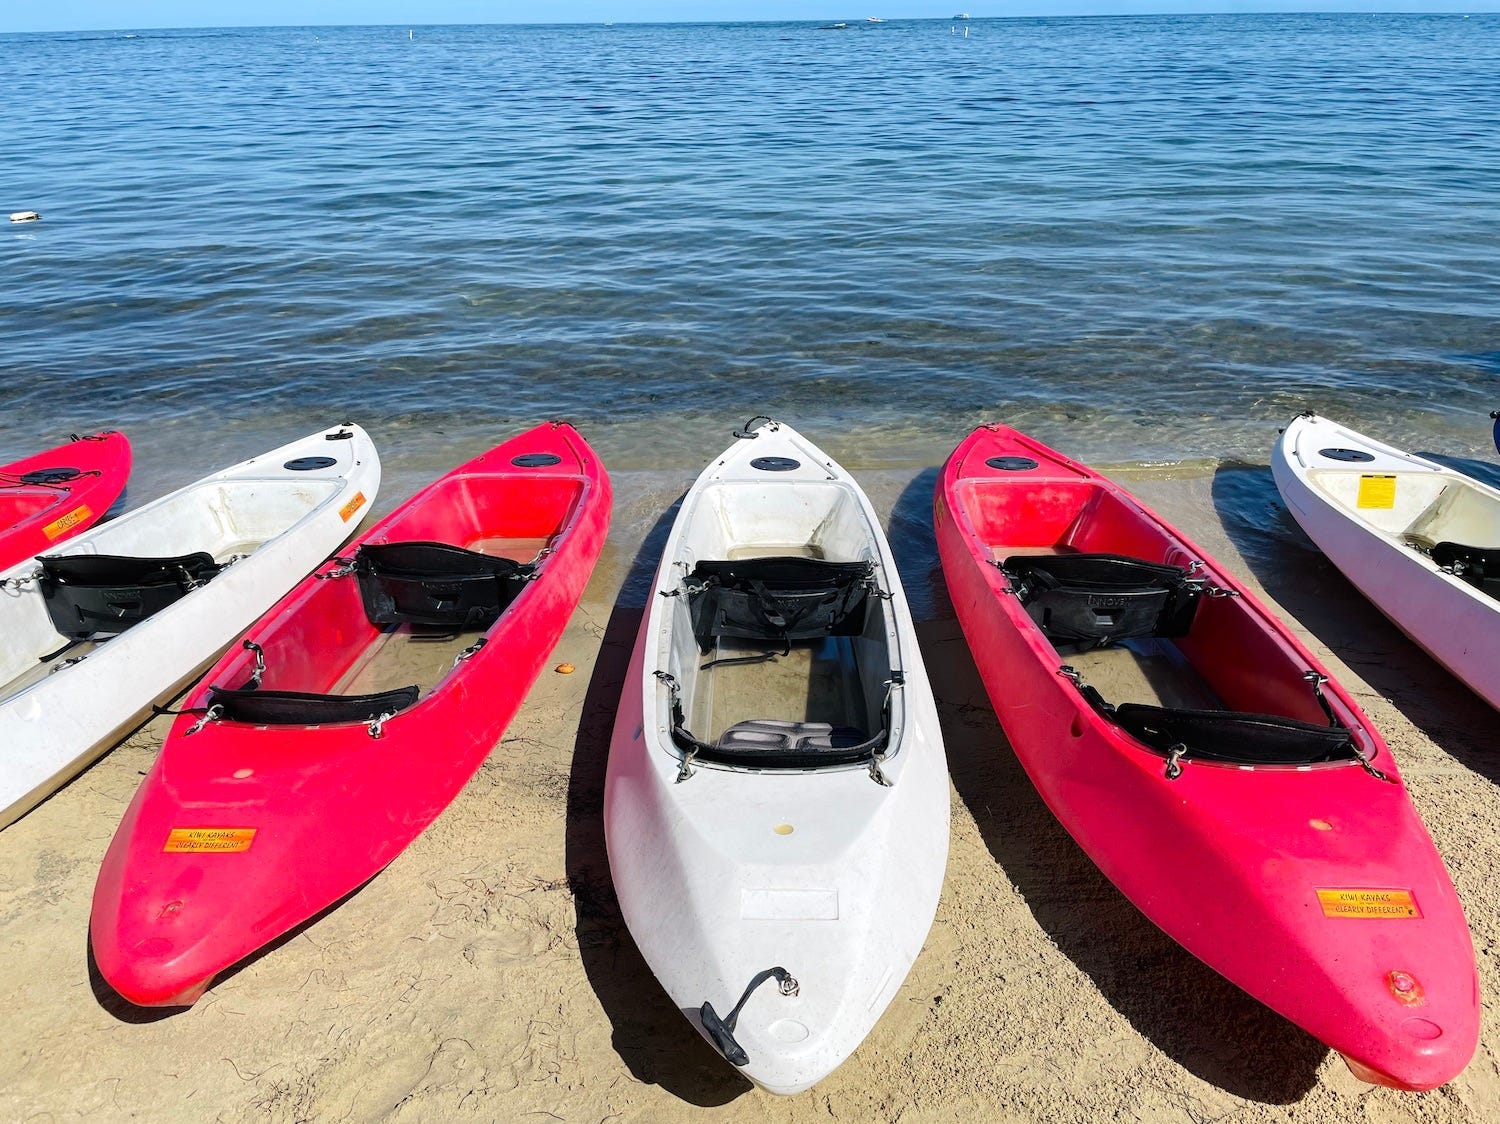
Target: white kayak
776 803
1410 533
121 617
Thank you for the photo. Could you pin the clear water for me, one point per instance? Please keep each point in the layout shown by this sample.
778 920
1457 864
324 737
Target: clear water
1144 240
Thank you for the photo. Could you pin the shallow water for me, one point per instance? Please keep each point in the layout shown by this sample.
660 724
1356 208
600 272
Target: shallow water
1147 241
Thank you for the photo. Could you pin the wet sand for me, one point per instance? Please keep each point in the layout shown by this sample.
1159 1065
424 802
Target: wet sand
486 974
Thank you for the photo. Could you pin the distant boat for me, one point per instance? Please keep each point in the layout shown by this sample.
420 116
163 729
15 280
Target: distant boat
873 19
962 16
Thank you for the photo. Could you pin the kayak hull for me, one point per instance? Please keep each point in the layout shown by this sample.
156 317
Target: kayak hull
241 832
727 872
1292 882
59 713
36 516
1362 527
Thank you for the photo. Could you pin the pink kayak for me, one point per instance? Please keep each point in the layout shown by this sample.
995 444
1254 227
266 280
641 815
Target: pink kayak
52 496
1203 759
349 717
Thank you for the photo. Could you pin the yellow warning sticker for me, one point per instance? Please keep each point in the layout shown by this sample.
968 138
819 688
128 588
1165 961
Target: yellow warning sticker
183 840
347 511
1376 491
65 523
1385 905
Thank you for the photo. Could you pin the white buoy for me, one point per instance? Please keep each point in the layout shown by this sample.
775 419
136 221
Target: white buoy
24 216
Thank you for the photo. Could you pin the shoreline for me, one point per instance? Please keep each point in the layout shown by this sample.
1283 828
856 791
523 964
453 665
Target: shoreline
486 972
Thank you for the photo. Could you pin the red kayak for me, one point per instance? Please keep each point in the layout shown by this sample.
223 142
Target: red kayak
52 496
1204 760
349 717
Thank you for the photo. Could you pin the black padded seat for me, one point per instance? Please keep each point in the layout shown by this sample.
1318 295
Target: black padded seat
299 708
105 594
1235 737
778 598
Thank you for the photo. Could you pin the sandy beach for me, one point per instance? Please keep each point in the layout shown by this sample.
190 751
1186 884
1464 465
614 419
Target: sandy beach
487 975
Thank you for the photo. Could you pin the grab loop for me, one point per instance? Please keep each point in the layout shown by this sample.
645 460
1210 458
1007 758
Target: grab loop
748 432
721 1030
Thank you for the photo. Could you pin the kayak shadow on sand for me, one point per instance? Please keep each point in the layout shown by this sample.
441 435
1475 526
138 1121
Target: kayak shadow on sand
652 1037
1313 591
1187 1010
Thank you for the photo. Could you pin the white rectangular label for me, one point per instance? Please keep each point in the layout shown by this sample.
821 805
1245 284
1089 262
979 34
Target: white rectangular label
789 905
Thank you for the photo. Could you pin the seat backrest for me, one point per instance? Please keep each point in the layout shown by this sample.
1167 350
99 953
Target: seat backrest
1100 598
436 585
105 594
778 598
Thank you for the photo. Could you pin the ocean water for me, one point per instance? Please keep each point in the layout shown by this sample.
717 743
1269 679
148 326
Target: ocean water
1147 241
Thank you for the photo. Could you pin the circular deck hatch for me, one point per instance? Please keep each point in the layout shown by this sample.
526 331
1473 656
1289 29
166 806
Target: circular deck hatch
50 475
775 464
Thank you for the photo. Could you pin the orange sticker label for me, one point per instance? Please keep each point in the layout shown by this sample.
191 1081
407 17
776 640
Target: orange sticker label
184 840
65 523
347 511
1388 905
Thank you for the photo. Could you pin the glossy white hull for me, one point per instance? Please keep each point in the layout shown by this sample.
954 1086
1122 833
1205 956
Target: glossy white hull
1361 525
827 874
285 522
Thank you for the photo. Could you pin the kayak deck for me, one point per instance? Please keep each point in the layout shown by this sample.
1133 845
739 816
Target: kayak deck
1230 847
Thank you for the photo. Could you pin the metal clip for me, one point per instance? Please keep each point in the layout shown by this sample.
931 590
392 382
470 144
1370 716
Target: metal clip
376 729
788 986
1174 761
20 583
875 773
260 663
212 714
470 650
343 569
685 770
1071 674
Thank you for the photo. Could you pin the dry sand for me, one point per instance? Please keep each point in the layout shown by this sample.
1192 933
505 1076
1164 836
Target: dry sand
486 973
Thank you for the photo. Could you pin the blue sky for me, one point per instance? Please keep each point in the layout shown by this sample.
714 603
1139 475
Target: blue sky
88 15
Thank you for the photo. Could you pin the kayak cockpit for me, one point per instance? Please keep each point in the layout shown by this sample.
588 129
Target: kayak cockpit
125 572
1157 644
781 656
383 627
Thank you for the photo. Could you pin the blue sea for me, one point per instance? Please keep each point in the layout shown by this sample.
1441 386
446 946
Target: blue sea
1145 240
